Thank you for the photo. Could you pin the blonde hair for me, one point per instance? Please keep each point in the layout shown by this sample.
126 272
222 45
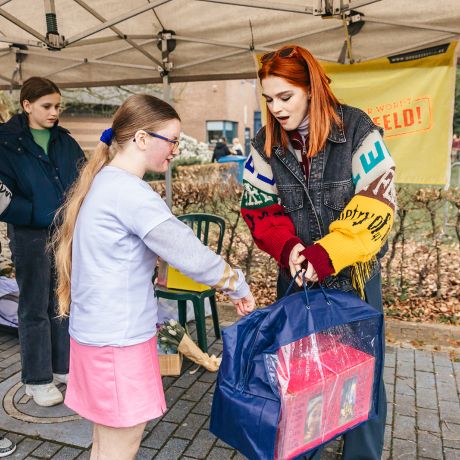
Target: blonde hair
140 111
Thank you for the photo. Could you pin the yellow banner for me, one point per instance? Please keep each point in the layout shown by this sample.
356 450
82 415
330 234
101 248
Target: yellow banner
411 96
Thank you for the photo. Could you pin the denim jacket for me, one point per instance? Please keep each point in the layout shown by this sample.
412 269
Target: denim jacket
314 204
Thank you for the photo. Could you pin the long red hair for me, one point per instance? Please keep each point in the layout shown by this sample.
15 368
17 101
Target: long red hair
303 70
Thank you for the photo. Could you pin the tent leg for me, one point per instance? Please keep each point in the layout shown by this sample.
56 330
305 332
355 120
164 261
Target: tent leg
167 98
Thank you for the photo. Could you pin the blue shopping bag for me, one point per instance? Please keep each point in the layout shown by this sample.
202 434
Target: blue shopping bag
281 363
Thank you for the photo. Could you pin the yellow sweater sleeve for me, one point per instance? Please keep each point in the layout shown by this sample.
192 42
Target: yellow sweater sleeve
359 233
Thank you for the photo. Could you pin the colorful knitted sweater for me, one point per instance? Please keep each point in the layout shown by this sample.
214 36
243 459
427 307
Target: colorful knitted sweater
353 240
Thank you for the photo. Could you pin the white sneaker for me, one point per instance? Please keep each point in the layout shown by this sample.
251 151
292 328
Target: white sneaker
7 447
45 395
60 378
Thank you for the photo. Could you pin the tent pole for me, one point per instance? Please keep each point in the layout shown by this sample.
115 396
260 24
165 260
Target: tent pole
168 99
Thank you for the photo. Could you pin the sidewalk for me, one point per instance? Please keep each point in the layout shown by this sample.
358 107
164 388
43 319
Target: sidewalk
423 413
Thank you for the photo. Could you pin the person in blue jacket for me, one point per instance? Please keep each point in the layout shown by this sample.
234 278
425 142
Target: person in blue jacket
39 161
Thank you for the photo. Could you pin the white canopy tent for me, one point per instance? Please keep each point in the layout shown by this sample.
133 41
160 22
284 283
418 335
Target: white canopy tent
79 43
109 42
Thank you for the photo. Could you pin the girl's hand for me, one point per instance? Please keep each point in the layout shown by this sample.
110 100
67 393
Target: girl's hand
245 305
295 264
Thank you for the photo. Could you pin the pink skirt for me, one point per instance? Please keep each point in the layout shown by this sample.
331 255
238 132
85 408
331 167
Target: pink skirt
115 386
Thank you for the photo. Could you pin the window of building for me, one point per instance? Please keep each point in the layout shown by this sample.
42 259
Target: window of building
221 128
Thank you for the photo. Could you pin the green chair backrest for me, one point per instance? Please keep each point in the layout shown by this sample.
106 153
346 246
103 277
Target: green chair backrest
202 224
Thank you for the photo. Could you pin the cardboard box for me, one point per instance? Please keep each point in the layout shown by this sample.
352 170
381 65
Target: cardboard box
326 388
170 364
173 279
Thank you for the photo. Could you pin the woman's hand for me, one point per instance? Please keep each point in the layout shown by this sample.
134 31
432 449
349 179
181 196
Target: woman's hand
245 305
295 264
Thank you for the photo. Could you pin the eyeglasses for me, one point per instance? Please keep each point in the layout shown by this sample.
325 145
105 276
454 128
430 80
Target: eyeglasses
283 53
174 142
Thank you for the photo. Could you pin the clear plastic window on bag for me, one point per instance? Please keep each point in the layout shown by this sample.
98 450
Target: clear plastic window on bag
325 382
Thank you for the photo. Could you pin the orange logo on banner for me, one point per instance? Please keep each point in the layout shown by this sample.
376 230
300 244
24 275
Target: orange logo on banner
403 117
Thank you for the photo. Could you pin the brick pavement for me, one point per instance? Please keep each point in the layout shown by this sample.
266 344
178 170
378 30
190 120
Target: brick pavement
423 412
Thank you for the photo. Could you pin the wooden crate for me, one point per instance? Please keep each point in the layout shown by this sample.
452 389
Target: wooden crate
170 364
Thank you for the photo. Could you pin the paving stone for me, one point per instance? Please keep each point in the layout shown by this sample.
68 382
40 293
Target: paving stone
204 406
404 449
67 453
152 424
6 336
190 426
239 456
172 450
25 447
46 450
172 394
386 455
449 411
390 391
220 443
208 377
390 359
423 361
145 454
201 445
85 455
425 380
390 412
389 375
441 360
186 380
404 427
404 405
387 438
426 398
429 445
219 453
196 391
216 348
179 411
428 420
15 437
13 359
159 435
447 391
445 374
9 371
405 354
9 353
405 386
11 342
405 369
451 454
450 435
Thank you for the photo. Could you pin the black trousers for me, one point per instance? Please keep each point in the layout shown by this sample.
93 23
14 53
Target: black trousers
43 337
364 442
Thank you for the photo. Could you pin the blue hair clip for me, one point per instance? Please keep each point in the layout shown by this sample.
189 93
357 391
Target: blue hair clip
107 136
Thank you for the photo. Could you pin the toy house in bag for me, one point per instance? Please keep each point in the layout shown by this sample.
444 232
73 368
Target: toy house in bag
325 388
298 373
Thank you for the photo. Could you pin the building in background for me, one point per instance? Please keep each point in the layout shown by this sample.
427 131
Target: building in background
209 110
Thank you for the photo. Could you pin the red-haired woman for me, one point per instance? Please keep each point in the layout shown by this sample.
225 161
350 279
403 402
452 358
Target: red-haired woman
319 195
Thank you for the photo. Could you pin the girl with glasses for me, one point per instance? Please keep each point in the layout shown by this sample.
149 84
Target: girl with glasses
319 195
114 226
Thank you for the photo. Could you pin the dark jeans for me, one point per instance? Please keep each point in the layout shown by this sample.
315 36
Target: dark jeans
44 338
365 442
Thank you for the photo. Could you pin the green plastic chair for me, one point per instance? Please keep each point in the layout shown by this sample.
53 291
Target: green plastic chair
202 224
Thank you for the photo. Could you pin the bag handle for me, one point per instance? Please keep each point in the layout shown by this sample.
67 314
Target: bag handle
305 289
